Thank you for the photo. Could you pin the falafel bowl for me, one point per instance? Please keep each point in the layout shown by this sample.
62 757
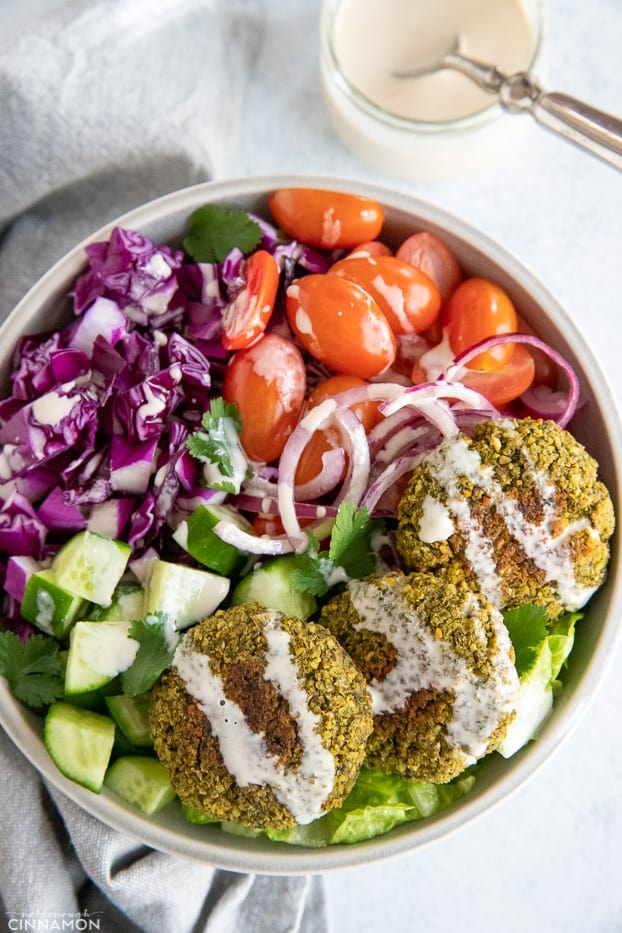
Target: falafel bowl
313 606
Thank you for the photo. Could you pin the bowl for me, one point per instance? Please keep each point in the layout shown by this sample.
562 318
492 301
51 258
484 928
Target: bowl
436 126
597 425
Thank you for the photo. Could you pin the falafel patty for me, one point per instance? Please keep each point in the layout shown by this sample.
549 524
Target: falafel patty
517 509
262 719
440 670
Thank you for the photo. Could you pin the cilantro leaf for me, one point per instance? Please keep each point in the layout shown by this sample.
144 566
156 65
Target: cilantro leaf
528 627
33 668
313 571
218 446
350 541
214 230
350 553
154 655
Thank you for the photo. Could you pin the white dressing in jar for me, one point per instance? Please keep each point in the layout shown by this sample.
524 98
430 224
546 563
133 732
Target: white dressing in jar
374 38
435 126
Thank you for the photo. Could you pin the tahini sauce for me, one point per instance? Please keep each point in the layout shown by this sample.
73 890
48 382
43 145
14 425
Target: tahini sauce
372 38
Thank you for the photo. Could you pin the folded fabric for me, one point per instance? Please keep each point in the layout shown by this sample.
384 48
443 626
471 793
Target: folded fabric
105 104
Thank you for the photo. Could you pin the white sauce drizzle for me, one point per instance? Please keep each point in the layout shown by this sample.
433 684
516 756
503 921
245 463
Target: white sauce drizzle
51 408
394 296
454 459
435 523
304 791
425 661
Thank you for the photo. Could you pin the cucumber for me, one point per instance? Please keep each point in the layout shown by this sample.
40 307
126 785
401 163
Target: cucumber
184 593
51 607
128 603
131 715
141 781
98 651
197 537
79 743
270 586
196 816
90 566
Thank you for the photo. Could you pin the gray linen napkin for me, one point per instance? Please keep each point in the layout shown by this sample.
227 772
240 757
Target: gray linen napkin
105 104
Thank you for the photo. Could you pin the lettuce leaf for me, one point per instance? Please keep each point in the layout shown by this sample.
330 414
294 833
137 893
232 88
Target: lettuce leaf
376 804
541 650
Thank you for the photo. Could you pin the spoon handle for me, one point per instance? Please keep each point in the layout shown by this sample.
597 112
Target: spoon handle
598 132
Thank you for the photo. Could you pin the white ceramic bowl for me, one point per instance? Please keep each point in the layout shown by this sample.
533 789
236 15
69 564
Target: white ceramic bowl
597 425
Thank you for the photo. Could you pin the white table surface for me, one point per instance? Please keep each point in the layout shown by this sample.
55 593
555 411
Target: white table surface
550 857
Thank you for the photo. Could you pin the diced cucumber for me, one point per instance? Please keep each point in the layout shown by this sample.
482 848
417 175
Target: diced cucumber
128 603
141 781
196 816
90 566
79 743
98 651
131 714
270 585
197 537
184 593
49 606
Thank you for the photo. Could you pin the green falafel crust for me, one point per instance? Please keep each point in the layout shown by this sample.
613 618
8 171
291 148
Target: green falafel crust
526 519
236 644
419 640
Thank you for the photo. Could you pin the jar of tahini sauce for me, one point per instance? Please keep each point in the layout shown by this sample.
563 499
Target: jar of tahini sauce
438 125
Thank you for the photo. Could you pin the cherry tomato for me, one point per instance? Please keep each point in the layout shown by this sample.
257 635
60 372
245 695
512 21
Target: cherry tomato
370 248
547 373
409 299
502 386
246 316
499 386
432 255
323 440
476 310
268 383
340 325
268 524
328 219
367 412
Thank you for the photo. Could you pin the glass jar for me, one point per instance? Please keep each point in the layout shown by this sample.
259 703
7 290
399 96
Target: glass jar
361 42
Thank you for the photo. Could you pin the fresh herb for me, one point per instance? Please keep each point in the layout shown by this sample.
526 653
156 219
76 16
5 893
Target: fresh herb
33 668
528 627
155 653
218 446
213 231
350 554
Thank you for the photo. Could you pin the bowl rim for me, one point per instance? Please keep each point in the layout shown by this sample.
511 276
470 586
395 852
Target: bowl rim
286 859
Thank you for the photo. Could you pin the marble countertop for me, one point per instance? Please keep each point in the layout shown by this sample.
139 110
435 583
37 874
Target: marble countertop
549 858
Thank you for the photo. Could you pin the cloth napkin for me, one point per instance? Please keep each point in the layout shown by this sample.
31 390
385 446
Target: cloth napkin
105 104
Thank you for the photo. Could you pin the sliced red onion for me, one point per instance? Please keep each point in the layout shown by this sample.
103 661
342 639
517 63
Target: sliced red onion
405 439
381 433
388 478
562 414
333 462
264 505
252 544
355 441
440 392
544 402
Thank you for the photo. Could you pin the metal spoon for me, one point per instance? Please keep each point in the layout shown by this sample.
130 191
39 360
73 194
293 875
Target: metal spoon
598 132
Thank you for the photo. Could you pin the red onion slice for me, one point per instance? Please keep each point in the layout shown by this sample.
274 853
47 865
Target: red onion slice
333 462
252 544
562 414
